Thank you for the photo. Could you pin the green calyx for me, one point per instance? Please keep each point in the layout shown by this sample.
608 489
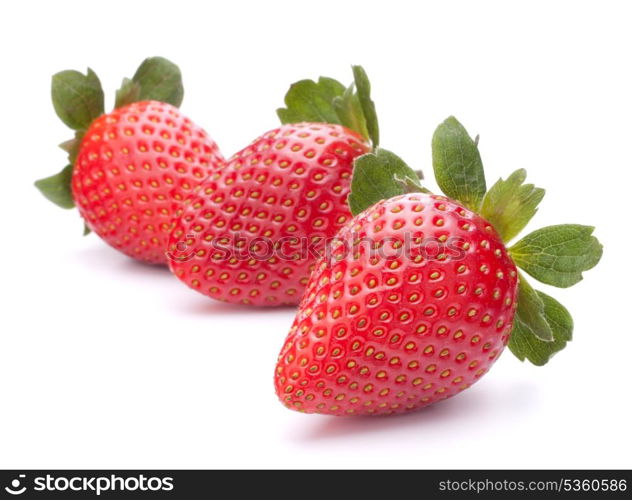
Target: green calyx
57 188
554 255
380 175
526 337
78 100
510 204
557 255
156 79
329 101
457 164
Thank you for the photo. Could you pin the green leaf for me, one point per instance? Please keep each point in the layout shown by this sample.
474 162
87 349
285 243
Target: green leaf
77 98
525 345
378 176
72 146
310 101
530 311
368 106
349 111
86 229
159 80
557 255
57 188
327 101
457 164
509 205
127 94
68 145
411 184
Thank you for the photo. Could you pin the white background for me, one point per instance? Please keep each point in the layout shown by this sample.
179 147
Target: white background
108 363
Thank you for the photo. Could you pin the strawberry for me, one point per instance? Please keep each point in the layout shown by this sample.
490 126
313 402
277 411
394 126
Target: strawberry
388 333
133 169
130 169
252 233
417 296
245 229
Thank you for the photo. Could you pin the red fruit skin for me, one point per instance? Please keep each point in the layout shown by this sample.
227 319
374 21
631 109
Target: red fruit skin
134 168
252 233
390 333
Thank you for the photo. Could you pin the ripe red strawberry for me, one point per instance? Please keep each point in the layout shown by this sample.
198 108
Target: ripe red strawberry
134 168
251 231
256 227
131 168
381 332
417 296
